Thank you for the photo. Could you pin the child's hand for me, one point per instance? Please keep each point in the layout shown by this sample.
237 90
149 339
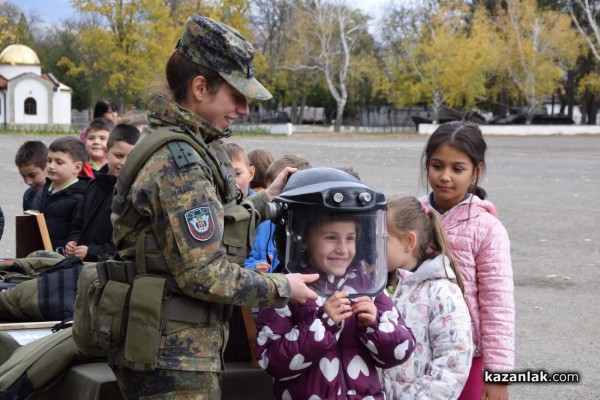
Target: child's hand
365 310
70 247
338 307
81 252
494 391
262 266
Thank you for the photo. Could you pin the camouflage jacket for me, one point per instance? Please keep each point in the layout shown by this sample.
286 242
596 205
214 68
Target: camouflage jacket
175 201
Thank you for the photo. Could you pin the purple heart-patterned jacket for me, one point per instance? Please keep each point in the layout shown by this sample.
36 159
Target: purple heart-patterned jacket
310 357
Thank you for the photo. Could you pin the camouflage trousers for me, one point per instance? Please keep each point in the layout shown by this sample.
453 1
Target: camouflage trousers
162 384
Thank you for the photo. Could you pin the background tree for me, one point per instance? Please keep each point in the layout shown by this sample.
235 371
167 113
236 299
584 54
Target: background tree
9 19
438 53
325 44
126 44
23 33
368 86
274 27
585 16
119 46
279 27
446 53
540 46
64 42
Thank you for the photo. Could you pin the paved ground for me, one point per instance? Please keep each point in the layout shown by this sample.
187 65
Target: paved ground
547 191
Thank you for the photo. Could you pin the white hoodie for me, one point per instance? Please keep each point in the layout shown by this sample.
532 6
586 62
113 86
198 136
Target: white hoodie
434 308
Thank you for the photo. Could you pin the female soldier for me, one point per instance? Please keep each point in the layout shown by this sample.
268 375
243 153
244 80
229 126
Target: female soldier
178 200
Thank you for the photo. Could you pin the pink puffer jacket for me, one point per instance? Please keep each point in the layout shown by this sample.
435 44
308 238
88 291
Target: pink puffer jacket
480 247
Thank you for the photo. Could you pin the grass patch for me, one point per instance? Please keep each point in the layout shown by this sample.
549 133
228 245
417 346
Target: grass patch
250 131
360 134
240 130
40 132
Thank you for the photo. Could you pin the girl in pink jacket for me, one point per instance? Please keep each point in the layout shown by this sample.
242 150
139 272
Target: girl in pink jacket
454 161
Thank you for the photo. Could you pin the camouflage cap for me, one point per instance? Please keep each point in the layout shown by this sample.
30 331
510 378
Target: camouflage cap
221 48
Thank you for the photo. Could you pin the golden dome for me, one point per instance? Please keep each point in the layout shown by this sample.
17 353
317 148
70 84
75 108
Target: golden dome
18 54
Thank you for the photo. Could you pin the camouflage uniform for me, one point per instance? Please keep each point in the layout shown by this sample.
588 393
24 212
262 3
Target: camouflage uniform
175 201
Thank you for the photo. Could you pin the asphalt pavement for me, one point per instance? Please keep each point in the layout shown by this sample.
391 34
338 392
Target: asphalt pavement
546 190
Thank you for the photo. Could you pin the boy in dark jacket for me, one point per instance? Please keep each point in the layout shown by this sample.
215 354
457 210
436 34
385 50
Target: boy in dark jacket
31 160
63 191
91 231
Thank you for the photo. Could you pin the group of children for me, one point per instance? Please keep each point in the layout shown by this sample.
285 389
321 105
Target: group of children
450 278
448 313
71 182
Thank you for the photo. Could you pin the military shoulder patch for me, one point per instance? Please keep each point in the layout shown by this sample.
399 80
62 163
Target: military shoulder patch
201 223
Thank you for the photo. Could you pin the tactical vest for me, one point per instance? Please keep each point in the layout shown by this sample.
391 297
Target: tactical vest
124 307
240 219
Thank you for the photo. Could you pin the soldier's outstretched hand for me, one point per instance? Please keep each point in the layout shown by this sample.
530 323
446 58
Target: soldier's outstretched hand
276 187
301 292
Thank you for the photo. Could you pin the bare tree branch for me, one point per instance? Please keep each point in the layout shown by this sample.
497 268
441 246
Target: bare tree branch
590 13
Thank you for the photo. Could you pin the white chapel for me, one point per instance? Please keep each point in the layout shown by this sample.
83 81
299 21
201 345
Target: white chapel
28 98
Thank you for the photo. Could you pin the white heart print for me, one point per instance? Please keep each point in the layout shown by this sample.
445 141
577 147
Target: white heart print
298 363
371 346
329 369
385 325
318 328
400 350
284 311
356 366
264 334
293 335
264 360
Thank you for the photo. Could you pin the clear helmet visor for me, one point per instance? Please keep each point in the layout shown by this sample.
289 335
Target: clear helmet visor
347 250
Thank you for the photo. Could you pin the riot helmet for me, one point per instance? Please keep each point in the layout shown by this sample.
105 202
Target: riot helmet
328 222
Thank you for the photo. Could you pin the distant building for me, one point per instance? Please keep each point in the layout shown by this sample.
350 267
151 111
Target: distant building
28 98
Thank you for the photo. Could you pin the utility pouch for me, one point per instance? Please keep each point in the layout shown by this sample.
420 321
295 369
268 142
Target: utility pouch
101 306
240 225
145 322
120 271
88 289
110 315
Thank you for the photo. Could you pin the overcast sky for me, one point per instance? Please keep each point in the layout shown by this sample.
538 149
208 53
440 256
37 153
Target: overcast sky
52 11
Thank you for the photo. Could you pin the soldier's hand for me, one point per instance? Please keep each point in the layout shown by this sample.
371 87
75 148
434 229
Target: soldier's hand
301 292
276 187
